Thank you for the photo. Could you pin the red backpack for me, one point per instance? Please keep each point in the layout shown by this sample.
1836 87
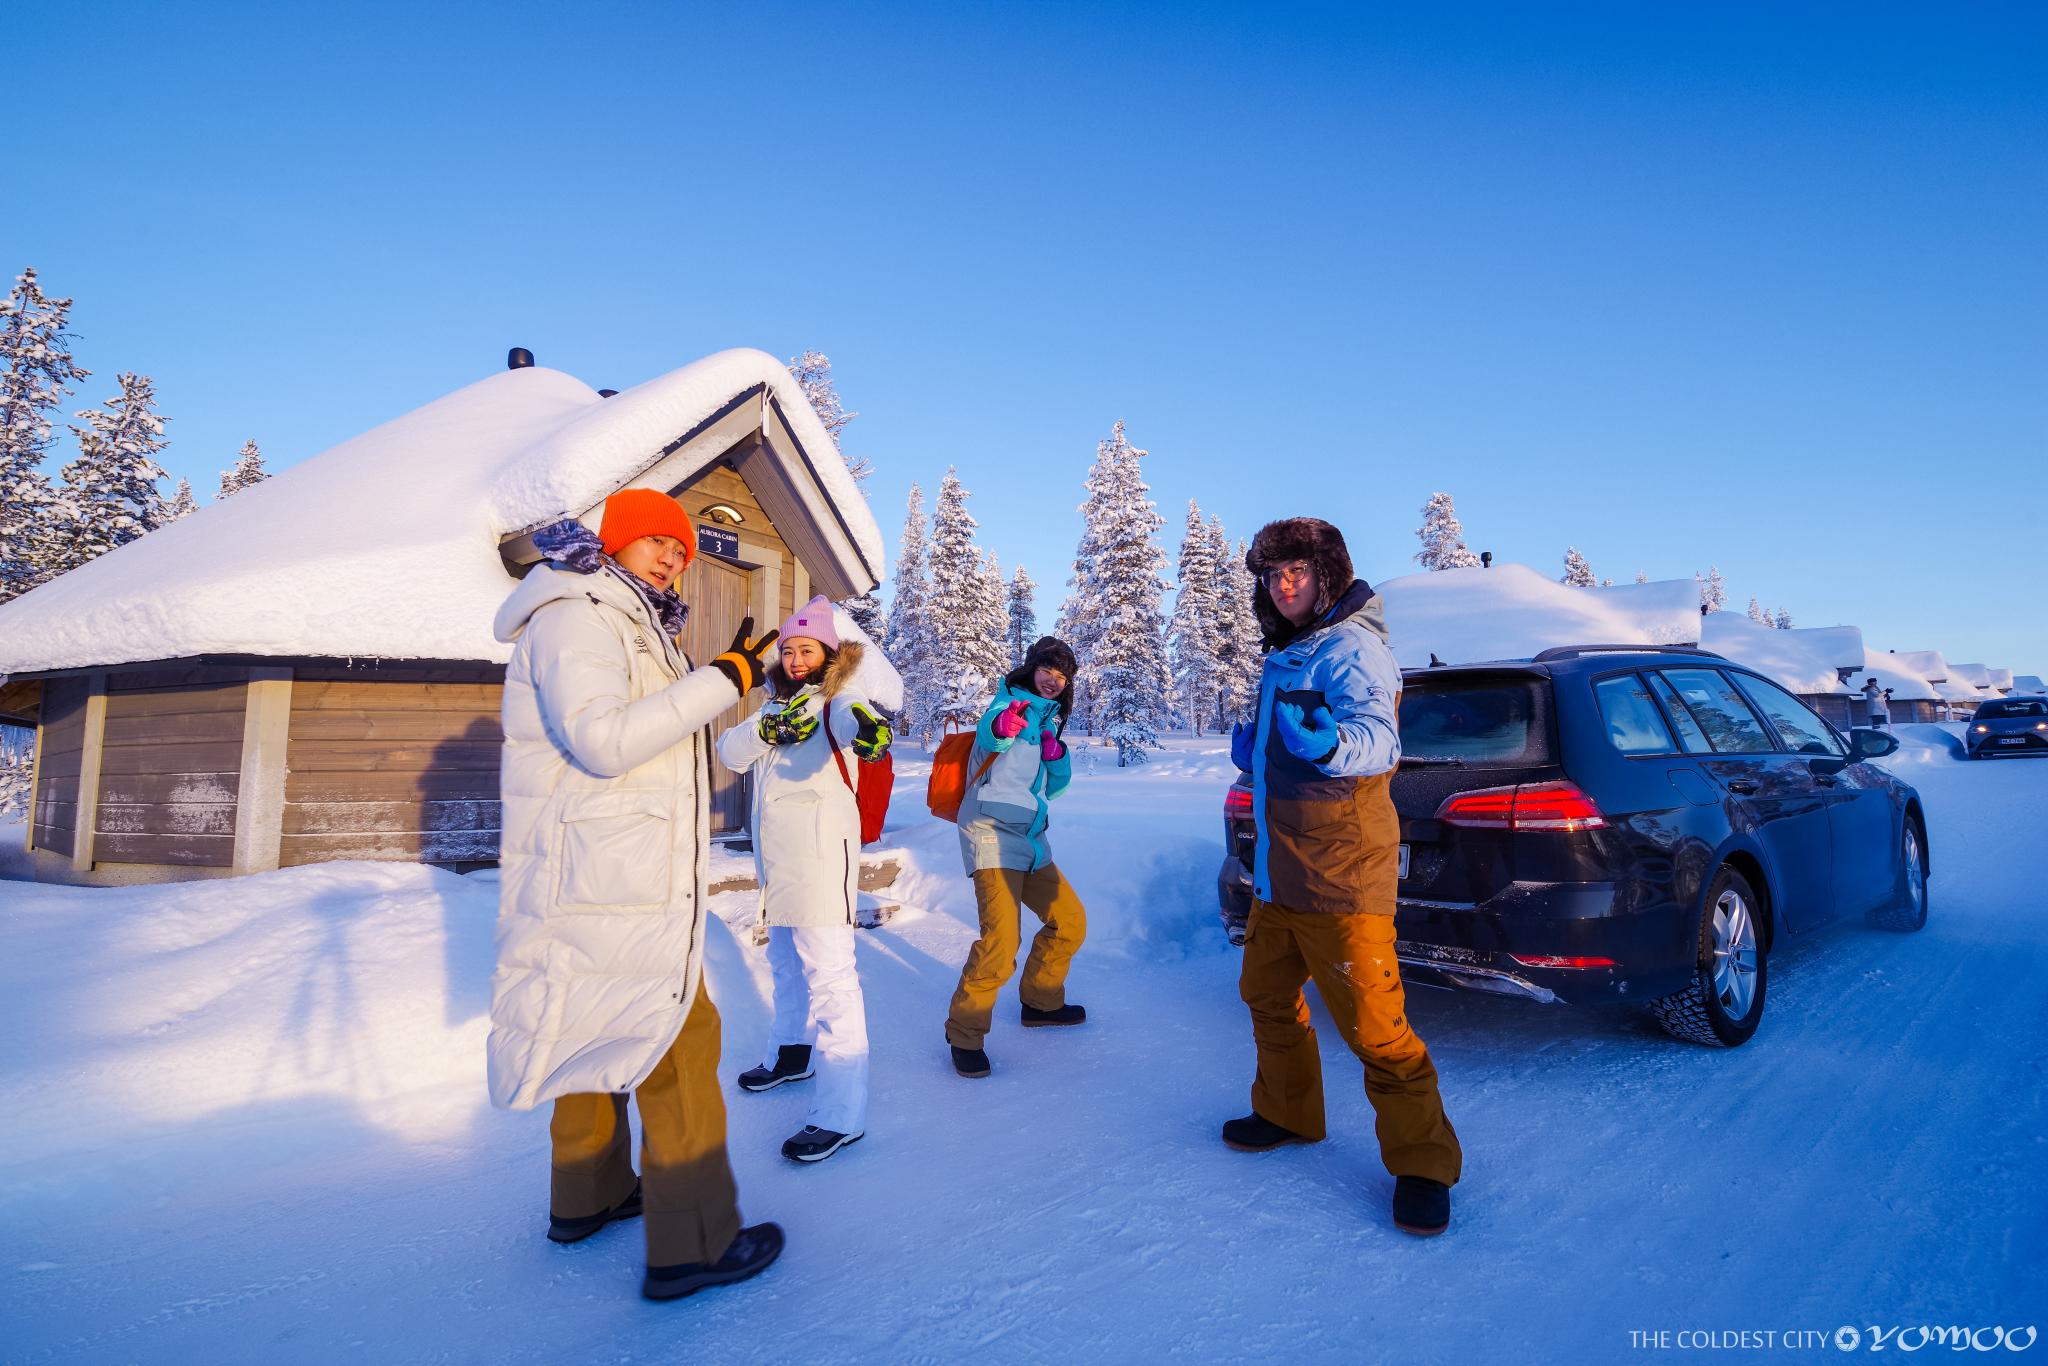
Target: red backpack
871 794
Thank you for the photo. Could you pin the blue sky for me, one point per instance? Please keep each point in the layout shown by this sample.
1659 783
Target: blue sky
1759 287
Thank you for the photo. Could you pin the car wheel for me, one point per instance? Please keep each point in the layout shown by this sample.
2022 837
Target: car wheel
1909 911
1725 1002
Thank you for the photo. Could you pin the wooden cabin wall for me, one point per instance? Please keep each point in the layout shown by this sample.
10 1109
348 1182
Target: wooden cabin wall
402 766
170 764
60 746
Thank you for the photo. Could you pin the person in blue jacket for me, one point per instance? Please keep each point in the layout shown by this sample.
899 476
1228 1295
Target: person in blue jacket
1322 754
1017 766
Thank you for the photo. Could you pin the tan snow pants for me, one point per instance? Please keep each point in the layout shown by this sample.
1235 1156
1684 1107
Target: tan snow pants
998 892
1351 959
686 1183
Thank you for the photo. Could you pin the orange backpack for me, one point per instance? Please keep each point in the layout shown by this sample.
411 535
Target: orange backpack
948 783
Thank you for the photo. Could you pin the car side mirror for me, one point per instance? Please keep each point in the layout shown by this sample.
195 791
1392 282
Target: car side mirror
1871 744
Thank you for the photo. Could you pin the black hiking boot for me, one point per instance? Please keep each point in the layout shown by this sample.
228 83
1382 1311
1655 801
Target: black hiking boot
971 1062
813 1144
749 1255
1065 1015
792 1063
1255 1135
1421 1206
576 1230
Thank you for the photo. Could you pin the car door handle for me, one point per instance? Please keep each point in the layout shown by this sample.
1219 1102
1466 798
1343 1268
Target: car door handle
1741 785
1823 780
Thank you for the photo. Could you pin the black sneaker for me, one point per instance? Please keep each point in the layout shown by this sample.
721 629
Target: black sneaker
815 1145
576 1230
1255 1135
1421 1206
1065 1015
749 1255
971 1062
792 1063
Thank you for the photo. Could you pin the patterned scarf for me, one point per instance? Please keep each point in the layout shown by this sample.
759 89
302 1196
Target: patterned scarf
575 547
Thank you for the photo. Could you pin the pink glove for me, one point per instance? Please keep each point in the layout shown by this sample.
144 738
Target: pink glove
1050 748
1010 724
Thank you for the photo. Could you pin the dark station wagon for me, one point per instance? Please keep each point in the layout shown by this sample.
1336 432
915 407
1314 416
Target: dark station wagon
1621 823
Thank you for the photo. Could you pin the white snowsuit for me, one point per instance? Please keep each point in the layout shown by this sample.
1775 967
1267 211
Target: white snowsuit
605 783
805 824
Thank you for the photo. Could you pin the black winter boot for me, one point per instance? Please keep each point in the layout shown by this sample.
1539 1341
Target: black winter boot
792 1063
813 1144
749 1255
1255 1135
1421 1206
971 1062
1065 1015
576 1230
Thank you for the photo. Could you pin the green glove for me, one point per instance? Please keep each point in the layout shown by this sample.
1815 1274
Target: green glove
873 741
790 726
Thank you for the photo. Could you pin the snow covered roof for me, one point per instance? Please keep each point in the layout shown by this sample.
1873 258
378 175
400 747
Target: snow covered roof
1804 660
2028 683
1973 676
1513 612
1905 684
387 546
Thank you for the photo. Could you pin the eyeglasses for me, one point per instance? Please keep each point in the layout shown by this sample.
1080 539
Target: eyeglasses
1289 573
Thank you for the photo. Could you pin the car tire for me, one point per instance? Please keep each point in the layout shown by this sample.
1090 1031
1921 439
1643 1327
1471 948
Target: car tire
1724 1003
1908 911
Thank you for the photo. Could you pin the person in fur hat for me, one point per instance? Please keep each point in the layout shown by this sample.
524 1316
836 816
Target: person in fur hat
1017 767
801 747
1322 753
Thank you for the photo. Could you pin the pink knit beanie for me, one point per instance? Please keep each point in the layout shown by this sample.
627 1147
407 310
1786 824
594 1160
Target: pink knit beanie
813 621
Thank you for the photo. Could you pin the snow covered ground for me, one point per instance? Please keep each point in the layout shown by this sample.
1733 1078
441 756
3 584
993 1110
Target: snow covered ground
244 1122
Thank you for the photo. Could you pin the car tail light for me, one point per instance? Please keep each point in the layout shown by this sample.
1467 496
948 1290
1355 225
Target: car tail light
1528 806
1544 960
1237 803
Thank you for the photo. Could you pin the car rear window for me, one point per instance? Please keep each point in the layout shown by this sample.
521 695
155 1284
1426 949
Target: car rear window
2005 711
1689 733
1730 725
1633 722
1497 722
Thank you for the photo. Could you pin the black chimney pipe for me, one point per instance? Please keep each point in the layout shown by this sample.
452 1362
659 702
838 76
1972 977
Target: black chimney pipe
519 358
1486 559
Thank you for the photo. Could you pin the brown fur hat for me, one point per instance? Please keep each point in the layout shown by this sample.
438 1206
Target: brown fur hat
1053 653
1282 542
840 667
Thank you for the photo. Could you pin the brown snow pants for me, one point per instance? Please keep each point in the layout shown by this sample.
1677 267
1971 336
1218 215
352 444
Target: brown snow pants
998 892
1351 959
686 1183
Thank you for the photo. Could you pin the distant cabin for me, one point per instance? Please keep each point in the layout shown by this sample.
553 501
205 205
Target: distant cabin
305 671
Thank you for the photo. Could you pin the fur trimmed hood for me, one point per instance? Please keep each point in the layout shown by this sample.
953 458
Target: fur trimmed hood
1296 538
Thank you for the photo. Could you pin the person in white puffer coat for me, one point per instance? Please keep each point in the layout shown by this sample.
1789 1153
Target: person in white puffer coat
605 784
803 749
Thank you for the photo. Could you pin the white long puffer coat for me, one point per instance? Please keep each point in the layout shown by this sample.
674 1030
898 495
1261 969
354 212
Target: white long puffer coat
804 819
606 787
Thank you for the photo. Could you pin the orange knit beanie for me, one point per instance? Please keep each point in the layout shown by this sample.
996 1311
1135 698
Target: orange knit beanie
630 514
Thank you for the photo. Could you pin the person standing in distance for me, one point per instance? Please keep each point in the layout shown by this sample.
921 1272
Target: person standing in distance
1016 768
599 991
1321 754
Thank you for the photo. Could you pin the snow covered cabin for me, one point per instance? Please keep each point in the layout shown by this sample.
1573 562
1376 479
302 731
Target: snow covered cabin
306 671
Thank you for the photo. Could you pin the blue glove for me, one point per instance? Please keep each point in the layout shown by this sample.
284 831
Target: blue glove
1242 738
1312 737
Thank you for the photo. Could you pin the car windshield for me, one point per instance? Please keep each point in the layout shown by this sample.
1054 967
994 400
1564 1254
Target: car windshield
1497 722
2008 710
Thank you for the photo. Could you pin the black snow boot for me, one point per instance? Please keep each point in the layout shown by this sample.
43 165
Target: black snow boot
815 1145
1065 1015
576 1230
1421 1206
1255 1135
749 1255
971 1062
792 1063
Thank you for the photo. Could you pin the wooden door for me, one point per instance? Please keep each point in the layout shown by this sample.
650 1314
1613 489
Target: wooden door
717 593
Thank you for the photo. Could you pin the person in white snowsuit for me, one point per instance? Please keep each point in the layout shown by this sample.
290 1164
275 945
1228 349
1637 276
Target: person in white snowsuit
605 782
803 748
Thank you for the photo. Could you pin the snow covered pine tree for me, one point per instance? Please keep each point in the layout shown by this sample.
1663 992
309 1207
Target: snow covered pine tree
1577 573
1443 540
1193 633
813 371
36 371
110 495
1713 592
248 469
906 640
1240 663
966 645
1111 618
182 503
1022 627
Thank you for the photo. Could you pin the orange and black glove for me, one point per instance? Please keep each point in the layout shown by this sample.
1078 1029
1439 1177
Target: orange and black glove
745 661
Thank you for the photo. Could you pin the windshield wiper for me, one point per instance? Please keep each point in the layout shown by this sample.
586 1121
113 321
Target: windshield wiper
1431 760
